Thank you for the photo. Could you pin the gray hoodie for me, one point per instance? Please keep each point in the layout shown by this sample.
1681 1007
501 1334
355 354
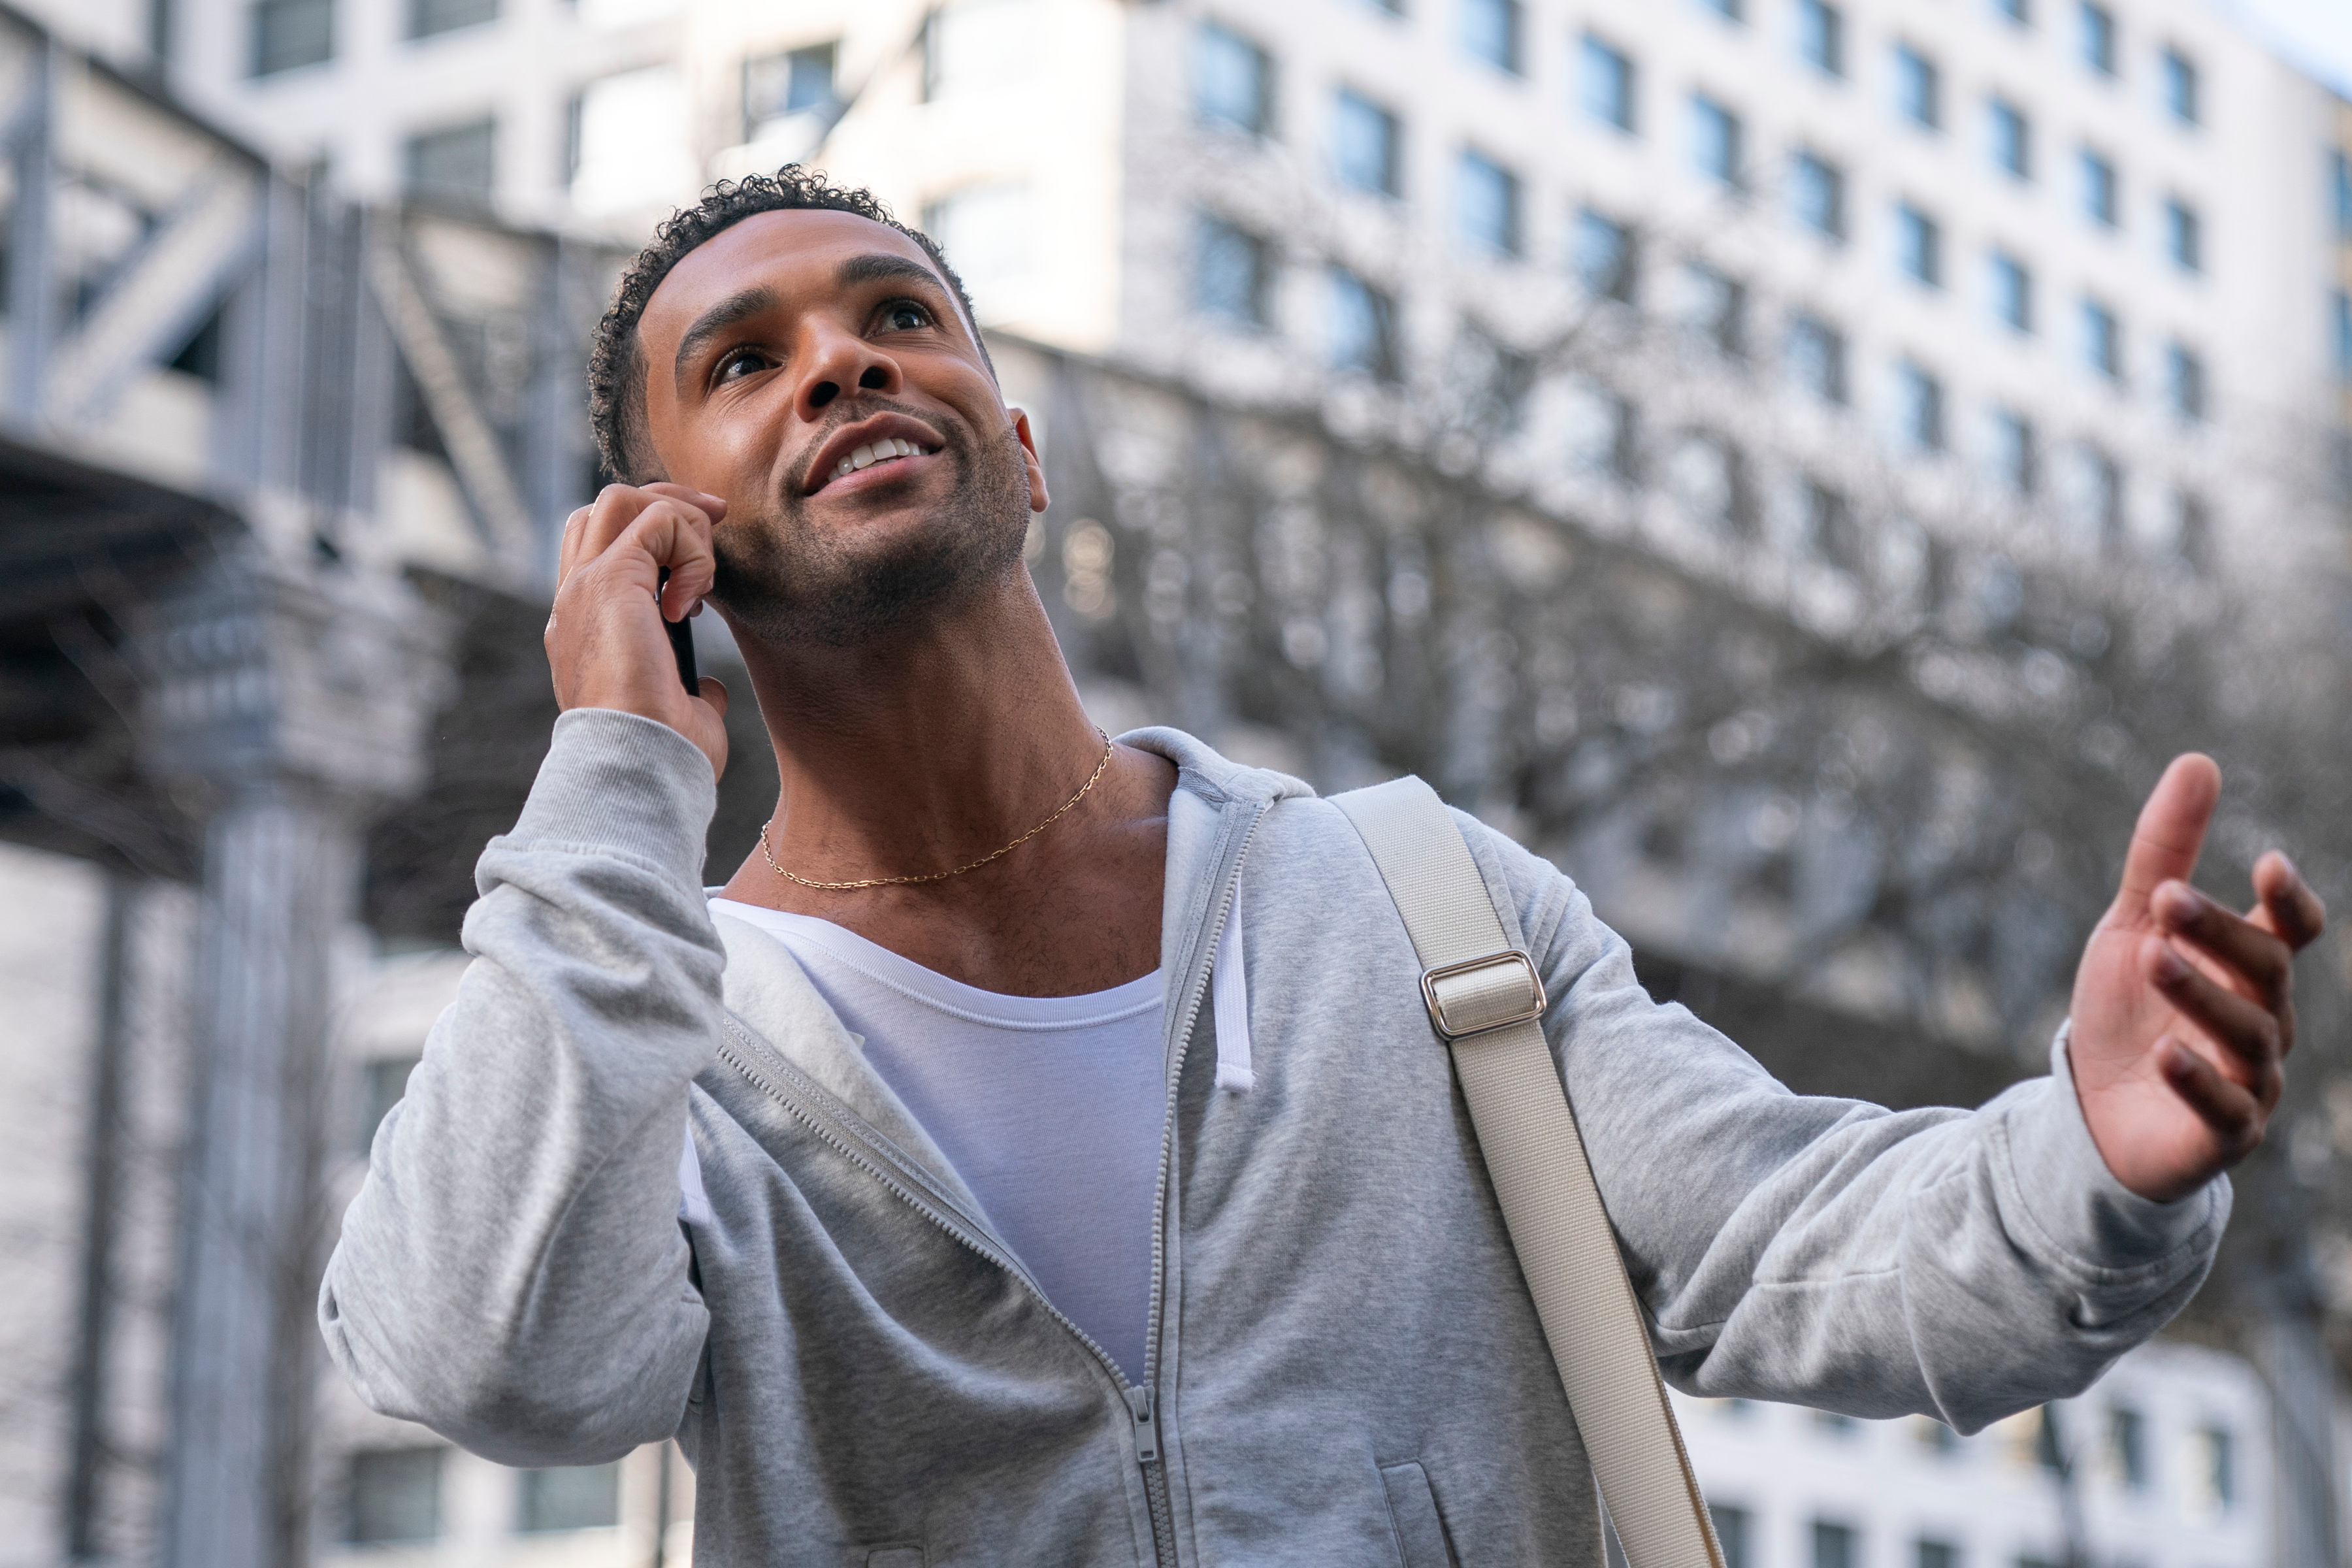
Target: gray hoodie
1345 1367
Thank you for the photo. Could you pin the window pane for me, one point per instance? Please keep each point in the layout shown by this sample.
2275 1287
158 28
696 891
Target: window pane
2180 94
2012 453
1937 1554
2012 293
2127 1429
1730 10
1919 409
588 1497
1603 254
396 1495
1714 305
1364 145
984 231
288 33
2184 235
778 85
1715 139
1731 1533
1833 1545
1489 205
456 164
2098 37
2103 348
1490 32
2340 172
1362 327
1232 273
1817 358
2100 202
426 17
1817 195
2018 11
1609 85
1233 80
1919 88
2012 139
1919 241
1820 36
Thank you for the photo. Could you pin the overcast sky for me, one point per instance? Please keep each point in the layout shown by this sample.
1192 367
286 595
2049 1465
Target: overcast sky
2317 34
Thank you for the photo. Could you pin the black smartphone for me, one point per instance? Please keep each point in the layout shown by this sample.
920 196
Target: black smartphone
681 644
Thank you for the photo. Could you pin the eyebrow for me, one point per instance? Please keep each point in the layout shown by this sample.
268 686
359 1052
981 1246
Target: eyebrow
871 268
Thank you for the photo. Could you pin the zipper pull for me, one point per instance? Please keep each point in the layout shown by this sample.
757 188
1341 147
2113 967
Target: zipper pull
1147 1427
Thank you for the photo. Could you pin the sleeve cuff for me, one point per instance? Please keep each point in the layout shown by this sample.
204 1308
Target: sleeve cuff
616 782
2075 1201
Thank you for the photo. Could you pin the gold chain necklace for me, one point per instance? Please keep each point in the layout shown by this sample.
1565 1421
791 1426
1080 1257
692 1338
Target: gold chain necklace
938 876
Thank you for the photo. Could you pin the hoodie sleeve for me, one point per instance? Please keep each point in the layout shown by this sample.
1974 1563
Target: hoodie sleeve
512 1273
1963 1263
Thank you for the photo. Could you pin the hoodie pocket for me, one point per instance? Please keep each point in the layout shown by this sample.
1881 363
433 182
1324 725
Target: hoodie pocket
1413 1510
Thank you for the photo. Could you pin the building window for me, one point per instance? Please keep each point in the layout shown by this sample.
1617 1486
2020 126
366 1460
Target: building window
2013 138
1605 256
2020 12
290 34
2181 89
2103 339
2091 505
1920 407
2098 30
426 17
456 164
778 85
2184 235
2015 452
2214 1474
1835 1545
1730 10
1936 1554
1919 88
1820 36
1604 431
1709 480
1609 83
1490 32
2128 1446
2184 383
382 1084
984 230
1920 245
1488 196
587 1497
2101 204
1817 358
2341 310
1362 327
2340 189
1715 308
1366 146
1715 140
1731 1532
1232 81
1233 274
2012 291
1817 195
395 1496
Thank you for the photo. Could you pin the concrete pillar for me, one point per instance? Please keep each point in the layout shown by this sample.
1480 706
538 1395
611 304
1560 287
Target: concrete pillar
288 704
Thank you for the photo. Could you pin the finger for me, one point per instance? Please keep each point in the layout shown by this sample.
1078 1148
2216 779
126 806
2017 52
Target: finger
2250 954
2169 833
615 508
2234 1115
2285 903
711 506
714 692
573 528
2248 1032
677 537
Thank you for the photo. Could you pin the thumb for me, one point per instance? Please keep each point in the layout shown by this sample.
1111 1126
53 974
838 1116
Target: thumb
2170 832
714 692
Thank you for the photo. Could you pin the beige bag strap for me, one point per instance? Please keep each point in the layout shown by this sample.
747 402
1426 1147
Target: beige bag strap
1486 999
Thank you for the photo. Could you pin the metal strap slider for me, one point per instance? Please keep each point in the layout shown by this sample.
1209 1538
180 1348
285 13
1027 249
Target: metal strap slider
1482 993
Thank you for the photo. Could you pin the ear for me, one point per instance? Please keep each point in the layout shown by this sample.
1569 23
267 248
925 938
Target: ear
1038 499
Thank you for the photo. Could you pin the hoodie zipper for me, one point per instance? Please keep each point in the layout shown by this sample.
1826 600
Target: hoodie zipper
1142 1405
1142 1400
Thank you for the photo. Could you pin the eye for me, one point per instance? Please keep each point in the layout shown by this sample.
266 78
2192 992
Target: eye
737 363
905 316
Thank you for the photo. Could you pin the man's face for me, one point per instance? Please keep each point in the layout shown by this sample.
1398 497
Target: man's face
814 371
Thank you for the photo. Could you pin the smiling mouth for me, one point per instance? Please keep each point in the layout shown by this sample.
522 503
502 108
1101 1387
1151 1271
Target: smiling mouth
890 449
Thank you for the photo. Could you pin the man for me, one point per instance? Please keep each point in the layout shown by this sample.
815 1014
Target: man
1038 1153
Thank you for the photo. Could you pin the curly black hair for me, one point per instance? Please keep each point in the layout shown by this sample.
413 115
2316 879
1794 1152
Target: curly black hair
617 376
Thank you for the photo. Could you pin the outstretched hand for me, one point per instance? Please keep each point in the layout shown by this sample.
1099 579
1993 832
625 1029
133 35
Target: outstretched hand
2183 1010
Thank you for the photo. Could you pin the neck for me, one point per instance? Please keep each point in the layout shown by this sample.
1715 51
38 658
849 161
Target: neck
920 751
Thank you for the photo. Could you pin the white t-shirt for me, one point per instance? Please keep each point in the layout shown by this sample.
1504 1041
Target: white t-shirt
1050 1107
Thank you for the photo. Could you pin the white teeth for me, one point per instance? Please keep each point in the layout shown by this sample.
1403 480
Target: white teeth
881 451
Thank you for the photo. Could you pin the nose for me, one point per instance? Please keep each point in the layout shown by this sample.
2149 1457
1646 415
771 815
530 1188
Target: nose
839 362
